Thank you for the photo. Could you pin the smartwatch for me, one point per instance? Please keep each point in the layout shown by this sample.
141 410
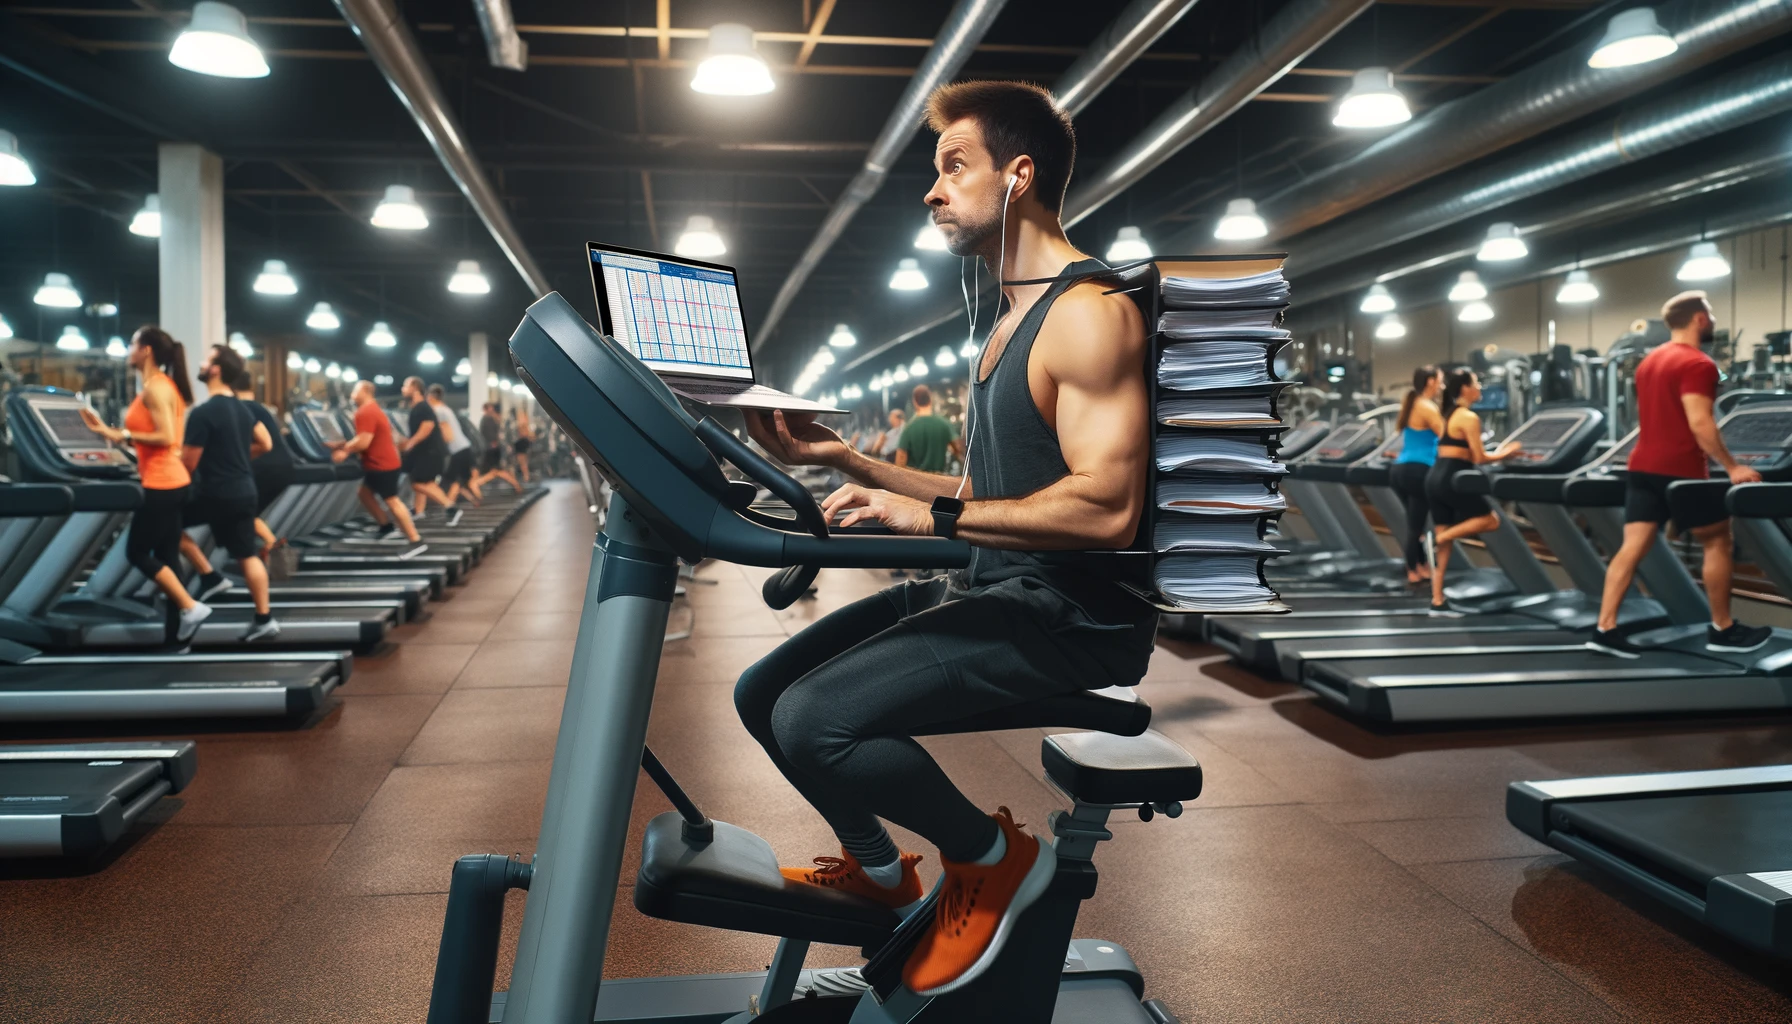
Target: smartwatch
945 516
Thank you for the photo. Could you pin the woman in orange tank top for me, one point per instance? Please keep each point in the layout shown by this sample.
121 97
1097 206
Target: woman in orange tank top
154 424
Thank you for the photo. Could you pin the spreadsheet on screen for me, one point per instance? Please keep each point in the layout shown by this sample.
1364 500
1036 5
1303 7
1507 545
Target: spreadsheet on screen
675 317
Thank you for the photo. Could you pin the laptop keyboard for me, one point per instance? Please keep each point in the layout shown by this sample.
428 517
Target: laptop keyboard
710 389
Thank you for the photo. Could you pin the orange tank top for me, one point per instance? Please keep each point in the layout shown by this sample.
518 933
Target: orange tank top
158 465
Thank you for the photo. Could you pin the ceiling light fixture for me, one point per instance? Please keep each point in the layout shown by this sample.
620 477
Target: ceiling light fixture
313 366
381 336
946 357
1390 328
399 210
700 238
852 393
333 371
918 369
1468 288
13 168
968 349
116 348
491 380
1476 312
899 375
822 358
733 66
1129 246
1502 244
1372 102
274 279
908 276
1378 300
323 318
5 329
464 368
429 354
1704 263
383 379
931 238
148 221
1578 288
468 279
1241 222
72 340
349 376
294 361
216 42
239 343
842 337
1632 37
57 292
506 384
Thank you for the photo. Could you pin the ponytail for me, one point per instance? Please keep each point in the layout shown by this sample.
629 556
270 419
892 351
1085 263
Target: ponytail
169 355
1421 377
1453 385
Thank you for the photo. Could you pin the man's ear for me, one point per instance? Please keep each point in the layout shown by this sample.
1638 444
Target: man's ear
1022 172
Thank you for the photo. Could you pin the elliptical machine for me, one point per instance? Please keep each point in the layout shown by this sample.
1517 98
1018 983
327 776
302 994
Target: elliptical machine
671 500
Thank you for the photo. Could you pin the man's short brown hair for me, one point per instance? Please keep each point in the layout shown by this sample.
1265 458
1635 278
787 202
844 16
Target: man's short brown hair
229 364
922 396
1678 311
1017 119
436 391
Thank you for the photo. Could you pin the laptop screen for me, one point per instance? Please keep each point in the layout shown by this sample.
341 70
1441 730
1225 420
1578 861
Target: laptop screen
675 315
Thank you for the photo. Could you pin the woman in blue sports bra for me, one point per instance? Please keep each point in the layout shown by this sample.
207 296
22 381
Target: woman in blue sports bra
1419 425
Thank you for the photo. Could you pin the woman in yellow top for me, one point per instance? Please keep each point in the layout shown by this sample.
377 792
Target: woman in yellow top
155 424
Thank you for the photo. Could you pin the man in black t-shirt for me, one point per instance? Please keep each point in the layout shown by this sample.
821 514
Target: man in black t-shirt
273 469
222 437
491 460
425 453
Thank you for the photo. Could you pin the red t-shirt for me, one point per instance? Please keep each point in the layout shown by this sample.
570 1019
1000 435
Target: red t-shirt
381 454
1666 445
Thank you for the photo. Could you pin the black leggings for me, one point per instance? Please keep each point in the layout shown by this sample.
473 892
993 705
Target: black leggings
1409 483
836 705
154 539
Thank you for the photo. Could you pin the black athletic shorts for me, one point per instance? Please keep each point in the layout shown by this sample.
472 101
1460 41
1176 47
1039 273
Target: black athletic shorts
270 483
1448 506
1646 501
232 522
382 482
491 459
460 468
521 446
424 467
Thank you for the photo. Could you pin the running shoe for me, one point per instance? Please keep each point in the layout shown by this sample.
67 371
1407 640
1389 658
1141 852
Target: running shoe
1737 639
209 589
845 874
262 631
386 530
454 516
191 620
977 911
1610 641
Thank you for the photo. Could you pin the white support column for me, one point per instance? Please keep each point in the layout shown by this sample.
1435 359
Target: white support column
479 360
191 183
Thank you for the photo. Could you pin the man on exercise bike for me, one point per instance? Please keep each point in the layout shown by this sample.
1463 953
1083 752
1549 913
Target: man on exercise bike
1057 441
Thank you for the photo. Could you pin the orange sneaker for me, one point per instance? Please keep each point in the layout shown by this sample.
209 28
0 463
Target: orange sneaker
844 873
978 908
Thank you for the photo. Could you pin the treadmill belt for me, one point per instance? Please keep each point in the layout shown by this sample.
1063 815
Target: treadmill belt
1693 837
1494 669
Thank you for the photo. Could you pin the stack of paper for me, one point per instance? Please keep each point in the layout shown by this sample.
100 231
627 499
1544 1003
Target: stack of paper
1268 288
1215 453
1214 583
1219 363
1178 531
1207 323
1199 494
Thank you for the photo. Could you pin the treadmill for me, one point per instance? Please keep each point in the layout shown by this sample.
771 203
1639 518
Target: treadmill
1555 439
1355 560
77 800
1674 675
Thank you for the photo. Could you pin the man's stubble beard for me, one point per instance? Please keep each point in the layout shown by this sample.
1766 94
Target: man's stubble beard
973 238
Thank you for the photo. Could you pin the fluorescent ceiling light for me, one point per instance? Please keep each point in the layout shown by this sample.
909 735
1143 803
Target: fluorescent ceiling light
468 279
399 210
464 368
57 292
349 376
822 358
1502 244
507 384
429 354
968 349
216 42
491 380
1378 300
294 361
918 369
116 348
13 168
842 337
1129 246
148 221
908 276
275 280
852 392
382 379
931 238
733 67
381 336
239 343
1632 37
1372 102
1240 222
1578 288
323 318
899 375
102 309
1704 263
1390 328
946 356
333 371
1475 313
72 340
5 329
1468 288
313 366
700 238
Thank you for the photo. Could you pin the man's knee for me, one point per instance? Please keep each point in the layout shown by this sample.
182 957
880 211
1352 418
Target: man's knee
1713 534
811 736
755 695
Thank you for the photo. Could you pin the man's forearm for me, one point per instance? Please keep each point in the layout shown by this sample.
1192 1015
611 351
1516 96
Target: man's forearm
1067 516
911 483
1712 443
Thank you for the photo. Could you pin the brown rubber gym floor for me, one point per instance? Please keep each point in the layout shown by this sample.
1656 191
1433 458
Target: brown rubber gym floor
1328 873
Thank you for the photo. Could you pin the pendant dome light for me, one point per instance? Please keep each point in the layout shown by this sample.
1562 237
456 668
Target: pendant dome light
733 66
274 279
1390 328
72 340
1632 37
333 371
1378 300
945 357
429 354
700 238
57 292
1129 246
842 337
918 369
13 168
349 375
147 222
1704 263
852 393
464 368
313 366
399 210
239 343
1372 102
1502 244
506 384
1578 288
468 279
491 380
1476 312
822 358
381 336
116 347
294 361
1241 222
908 276
899 375
5 329
216 42
968 349
1468 288
930 238
323 318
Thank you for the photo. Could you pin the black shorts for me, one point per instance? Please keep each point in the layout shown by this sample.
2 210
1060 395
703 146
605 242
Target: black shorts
460 468
521 446
1449 507
424 467
270 483
382 482
1646 501
231 520
491 459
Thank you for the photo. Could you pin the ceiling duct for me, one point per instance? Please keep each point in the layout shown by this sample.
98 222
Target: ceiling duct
503 46
1729 101
1551 93
395 52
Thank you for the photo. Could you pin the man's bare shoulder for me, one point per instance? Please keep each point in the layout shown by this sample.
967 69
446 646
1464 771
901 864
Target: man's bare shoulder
1089 330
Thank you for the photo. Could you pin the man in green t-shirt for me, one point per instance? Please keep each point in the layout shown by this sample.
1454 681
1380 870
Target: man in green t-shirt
927 439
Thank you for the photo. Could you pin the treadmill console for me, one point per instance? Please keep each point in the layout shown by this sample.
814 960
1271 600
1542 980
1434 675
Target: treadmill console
84 452
1348 443
1301 439
1760 437
326 425
1555 441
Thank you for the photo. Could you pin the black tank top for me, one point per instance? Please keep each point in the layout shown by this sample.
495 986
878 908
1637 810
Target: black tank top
1013 452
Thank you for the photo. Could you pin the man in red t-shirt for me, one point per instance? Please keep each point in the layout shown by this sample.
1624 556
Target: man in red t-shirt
1675 388
379 462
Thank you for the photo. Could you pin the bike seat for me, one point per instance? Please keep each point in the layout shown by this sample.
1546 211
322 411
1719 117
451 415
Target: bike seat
1095 768
1116 709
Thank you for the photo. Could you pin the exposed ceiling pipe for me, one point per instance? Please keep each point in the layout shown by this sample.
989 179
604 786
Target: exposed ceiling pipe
1551 93
503 46
1728 101
394 50
952 46
1124 40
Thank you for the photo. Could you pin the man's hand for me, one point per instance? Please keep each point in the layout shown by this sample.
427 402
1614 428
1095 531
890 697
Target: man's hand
339 454
864 504
1740 474
795 439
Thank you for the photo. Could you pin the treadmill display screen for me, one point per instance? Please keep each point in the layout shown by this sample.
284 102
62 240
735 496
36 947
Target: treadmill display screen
1547 433
1759 431
67 427
325 423
1343 441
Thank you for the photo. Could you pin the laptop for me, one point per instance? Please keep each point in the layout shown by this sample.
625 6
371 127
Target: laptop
682 318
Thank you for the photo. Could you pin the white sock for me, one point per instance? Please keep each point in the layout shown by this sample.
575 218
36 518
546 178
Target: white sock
996 852
888 876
